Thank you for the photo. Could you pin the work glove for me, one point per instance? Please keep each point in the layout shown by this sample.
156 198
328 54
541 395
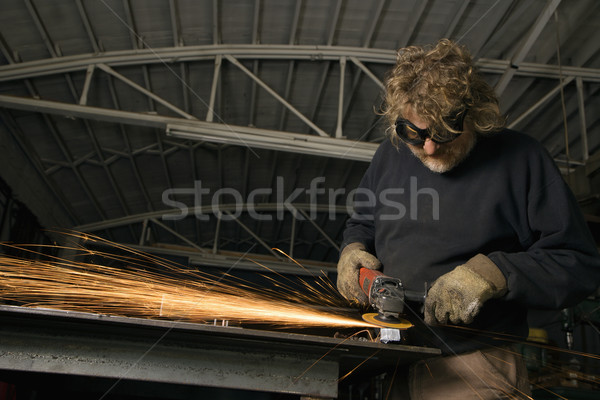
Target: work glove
458 295
353 257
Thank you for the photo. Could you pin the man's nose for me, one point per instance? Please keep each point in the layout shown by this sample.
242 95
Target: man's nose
430 147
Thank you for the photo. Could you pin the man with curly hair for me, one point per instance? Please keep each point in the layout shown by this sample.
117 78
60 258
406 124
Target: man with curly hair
476 214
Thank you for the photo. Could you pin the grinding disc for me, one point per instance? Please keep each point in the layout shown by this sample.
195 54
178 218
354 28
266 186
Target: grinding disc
376 319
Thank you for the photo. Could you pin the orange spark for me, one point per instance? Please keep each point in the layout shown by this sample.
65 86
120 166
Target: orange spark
179 294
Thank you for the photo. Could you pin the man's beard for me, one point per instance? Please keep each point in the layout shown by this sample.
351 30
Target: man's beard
448 155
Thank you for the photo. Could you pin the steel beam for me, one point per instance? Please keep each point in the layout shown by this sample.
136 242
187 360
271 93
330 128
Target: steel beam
539 103
88 26
285 141
168 55
144 91
81 344
207 210
582 120
273 93
526 45
340 111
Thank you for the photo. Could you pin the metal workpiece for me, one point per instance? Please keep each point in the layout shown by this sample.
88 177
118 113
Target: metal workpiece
35 340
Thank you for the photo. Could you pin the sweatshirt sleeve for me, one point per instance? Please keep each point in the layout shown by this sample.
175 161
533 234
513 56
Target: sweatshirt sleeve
360 227
560 265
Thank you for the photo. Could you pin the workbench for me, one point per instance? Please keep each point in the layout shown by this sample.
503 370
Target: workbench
116 350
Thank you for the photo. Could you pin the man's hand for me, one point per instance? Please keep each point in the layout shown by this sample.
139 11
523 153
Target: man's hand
353 257
459 295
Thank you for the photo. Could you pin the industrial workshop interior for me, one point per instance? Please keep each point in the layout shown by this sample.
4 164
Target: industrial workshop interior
176 177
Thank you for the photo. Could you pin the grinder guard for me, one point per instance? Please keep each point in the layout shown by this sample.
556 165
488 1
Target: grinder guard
386 294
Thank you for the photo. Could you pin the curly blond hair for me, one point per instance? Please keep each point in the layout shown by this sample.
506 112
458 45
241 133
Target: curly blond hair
440 84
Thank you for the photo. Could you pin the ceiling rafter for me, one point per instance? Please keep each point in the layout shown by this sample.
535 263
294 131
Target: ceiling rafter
38 164
526 44
144 91
291 64
490 21
87 25
414 17
226 213
38 68
327 64
273 93
136 40
458 16
33 13
213 90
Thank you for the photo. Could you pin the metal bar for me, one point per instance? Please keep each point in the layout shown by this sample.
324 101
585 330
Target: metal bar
367 72
374 23
215 248
41 28
292 235
60 65
177 235
320 89
335 21
292 63
256 22
175 27
288 88
203 210
143 234
86 85
215 19
295 21
254 235
414 18
456 18
33 157
194 167
321 231
144 91
582 120
185 87
340 116
253 91
128 150
104 165
133 36
6 52
273 140
327 65
284 141
276 95
88 26
526 45
65 151
540 102
86 188
495 15
213 89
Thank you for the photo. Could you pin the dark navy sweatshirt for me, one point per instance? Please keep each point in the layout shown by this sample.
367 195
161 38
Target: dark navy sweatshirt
506 200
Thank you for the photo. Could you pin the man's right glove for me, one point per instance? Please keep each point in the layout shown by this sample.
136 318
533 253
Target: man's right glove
353 257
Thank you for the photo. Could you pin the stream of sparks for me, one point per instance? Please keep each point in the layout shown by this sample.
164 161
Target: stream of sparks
173 292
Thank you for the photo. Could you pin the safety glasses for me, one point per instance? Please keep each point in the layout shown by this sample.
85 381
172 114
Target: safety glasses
409 133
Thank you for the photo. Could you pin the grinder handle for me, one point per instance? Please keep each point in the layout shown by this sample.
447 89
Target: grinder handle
366 278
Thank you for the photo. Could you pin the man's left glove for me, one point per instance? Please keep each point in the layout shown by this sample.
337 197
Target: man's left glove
458 295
